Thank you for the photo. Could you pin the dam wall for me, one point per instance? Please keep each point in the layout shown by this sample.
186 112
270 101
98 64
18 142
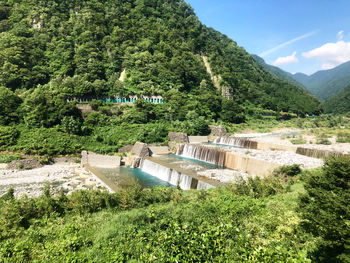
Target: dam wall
99 160
226 159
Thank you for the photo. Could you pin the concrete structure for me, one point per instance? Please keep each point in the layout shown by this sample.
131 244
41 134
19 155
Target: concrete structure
140 149
99 160
198 139
249 165
317 153
159 150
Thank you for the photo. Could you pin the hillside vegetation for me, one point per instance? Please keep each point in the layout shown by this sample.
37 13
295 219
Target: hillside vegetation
339 103
79 48
279 73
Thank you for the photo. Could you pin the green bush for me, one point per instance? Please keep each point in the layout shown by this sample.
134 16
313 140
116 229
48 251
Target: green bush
7 158
324 141
325 210
343 137
8 137
298 141
288 170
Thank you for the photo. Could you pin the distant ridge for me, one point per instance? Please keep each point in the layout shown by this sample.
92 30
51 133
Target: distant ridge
326 83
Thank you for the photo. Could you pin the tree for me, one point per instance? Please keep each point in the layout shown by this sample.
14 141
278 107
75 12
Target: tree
232 111
46 108
9 103
325 210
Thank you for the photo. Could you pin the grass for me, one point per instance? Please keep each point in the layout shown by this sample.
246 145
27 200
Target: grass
298 141
9 157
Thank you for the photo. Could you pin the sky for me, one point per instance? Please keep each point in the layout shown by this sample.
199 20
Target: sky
296 35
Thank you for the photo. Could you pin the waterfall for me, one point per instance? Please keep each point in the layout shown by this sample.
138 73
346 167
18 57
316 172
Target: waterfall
172 176
234 141
206 154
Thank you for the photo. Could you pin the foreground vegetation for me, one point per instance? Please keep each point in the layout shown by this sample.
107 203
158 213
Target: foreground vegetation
288 217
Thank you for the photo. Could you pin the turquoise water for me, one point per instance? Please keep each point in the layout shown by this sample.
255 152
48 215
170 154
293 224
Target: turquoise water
125 177
173 158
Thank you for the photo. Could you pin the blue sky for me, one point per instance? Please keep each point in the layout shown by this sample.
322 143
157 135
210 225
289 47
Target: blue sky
297 36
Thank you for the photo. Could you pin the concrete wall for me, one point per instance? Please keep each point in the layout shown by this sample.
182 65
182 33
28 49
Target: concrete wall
159 150
249 165
198 139
99 160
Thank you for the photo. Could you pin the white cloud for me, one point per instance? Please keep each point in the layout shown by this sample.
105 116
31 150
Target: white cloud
330 54
267 52
286 60
340 35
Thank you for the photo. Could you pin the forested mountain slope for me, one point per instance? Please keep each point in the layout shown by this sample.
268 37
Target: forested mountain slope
278 72
81 47
339 103
326 83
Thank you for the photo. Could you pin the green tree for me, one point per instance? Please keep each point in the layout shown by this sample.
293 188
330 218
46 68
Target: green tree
325 210
232 111
8 137
9 103
46 108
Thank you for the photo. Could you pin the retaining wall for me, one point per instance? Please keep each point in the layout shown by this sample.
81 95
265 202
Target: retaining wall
249 165
198 139
99 160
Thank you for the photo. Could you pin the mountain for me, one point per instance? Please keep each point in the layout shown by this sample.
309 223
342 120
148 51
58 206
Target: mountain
300 77
339 103
278 72
82 48
326 83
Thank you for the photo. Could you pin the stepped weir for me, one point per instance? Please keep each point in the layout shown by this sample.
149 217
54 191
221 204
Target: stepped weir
238 142
221 157
168 174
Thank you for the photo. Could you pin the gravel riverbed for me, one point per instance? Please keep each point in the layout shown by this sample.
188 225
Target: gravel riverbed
67 177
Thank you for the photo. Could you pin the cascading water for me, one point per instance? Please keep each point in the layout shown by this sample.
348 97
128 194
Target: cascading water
202 153
234 141
172 176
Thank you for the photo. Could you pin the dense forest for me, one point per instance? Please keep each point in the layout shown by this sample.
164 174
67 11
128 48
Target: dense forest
54 50
80 48
339 103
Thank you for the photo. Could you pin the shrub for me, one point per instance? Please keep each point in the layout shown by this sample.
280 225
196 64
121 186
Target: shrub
8 137
289 170
298 141
325 210
324 141
7 158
